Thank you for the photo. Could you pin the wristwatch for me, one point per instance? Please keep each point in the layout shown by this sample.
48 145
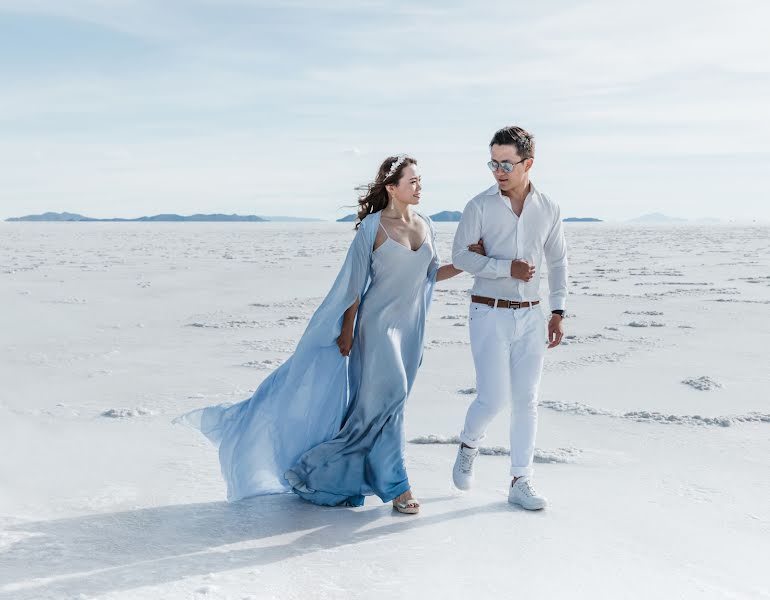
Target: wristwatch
558 312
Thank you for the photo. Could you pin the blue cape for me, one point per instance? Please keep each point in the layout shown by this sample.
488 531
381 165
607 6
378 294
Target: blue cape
302 403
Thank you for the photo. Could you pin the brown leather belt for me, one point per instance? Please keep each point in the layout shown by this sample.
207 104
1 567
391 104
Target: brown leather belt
495 302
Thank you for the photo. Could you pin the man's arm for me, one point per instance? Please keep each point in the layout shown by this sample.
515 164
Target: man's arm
469 232
555 251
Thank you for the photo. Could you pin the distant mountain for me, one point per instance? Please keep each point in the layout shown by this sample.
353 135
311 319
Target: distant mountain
451 216
657 218
446 216
197 217
50 216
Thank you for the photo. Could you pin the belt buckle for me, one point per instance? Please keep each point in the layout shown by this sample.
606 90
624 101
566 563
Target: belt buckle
516 305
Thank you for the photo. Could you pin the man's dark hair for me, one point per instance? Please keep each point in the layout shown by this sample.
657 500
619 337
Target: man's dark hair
515 136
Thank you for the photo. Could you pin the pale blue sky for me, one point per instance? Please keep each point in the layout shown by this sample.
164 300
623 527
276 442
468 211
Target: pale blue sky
132 107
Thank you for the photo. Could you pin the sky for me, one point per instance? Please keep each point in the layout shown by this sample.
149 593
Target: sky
123 108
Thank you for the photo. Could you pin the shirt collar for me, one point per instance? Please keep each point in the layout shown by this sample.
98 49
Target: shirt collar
495 189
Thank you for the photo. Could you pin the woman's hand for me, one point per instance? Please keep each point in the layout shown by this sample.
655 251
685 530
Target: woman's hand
345 341
478 248
449 271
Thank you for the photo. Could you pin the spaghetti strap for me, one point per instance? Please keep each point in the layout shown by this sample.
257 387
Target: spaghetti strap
385 230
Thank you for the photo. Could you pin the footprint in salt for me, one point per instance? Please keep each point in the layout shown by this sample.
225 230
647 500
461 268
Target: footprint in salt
645 324
269 363
703 383
125 413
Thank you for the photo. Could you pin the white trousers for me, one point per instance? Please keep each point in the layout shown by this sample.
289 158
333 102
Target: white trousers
508 347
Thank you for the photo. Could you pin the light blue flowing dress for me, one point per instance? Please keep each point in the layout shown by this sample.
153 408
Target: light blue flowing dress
323 426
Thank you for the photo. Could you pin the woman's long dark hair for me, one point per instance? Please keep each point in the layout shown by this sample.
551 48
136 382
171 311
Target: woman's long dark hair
375 196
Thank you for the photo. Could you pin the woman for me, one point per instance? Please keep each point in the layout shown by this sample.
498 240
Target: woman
329 429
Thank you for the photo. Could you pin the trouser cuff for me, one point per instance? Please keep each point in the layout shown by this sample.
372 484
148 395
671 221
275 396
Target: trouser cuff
469 441
522 471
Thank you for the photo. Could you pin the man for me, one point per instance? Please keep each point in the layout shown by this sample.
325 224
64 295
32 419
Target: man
520 227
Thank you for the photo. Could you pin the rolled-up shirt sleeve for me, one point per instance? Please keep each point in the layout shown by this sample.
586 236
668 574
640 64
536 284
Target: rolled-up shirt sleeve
469 232
555 251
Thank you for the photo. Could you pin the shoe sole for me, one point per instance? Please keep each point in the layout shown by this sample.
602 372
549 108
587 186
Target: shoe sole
468 486
525 507
407 511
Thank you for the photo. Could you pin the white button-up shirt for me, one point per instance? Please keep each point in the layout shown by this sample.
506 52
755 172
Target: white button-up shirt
536 234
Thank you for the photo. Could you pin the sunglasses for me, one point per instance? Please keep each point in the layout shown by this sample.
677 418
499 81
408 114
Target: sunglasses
506 166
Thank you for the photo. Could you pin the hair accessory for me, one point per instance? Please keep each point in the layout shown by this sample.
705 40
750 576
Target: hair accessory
396 163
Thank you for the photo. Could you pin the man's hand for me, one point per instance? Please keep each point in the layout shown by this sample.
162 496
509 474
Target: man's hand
555 331
345 342
521 269
478 248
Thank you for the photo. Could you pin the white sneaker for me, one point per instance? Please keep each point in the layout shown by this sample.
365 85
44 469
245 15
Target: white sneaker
462 474
523 494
